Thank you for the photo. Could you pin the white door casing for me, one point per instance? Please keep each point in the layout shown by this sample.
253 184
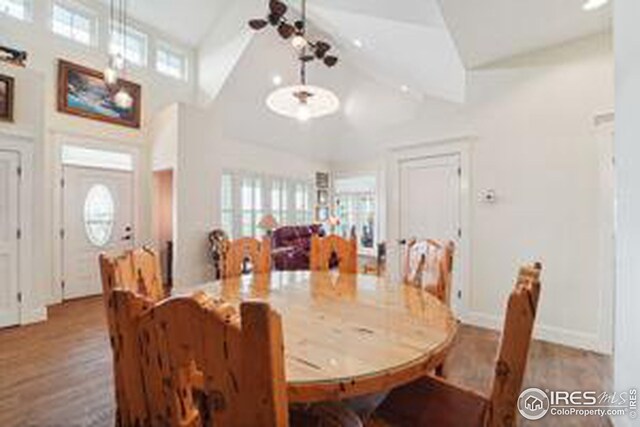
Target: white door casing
430 195
9 238
98 212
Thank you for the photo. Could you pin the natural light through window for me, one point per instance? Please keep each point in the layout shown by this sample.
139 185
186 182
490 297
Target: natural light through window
356 207
19 9
73 24
246 198
135 44
171 63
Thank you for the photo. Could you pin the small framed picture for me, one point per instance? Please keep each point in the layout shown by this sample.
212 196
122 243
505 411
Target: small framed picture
322 213
6 98
323 197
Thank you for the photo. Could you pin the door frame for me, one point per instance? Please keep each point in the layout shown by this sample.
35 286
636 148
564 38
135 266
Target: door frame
30 308
87 141
460 146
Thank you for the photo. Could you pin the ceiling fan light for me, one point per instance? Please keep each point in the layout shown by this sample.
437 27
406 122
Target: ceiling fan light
299 42
304 113
288 101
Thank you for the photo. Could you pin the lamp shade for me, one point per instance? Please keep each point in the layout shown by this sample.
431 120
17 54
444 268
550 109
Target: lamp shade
268 223
303 102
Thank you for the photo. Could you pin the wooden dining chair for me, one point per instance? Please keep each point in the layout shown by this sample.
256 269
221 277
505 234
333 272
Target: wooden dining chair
530 272
236 252
139 271
429 264
432 401
123 309
346 251
148 275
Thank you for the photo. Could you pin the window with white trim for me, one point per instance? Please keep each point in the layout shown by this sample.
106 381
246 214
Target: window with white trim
171 62
74 24
134 46
245 198
18 9
355 203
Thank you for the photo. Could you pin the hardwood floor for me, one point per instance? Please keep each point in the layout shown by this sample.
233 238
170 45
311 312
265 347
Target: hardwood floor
58 373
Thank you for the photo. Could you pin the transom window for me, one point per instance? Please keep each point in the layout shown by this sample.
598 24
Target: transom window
132 46
246 198
73 24
171 62
19 9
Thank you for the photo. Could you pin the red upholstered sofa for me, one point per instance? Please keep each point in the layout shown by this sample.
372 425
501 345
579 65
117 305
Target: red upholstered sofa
291 246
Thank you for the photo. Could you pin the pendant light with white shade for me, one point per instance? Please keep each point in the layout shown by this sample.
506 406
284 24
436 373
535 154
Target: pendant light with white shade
116 67
302 101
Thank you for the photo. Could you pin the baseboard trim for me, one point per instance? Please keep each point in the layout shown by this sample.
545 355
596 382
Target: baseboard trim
34 315
590 342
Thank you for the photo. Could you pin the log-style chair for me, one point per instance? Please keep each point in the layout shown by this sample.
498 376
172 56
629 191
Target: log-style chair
432 401
429 264
237 251
241 359
346 250
530 272
123 308
139 271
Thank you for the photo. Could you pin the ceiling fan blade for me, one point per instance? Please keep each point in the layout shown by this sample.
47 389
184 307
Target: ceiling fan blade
324 46
330 60
286 30
258 24
277 8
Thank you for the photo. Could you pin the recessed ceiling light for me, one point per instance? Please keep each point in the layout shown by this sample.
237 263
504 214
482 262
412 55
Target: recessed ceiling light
594 4
404 88
277 80
357 43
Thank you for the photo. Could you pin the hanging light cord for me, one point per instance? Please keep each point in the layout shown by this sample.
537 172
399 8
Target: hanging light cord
303 64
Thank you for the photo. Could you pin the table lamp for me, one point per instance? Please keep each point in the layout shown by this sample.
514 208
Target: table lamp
268 223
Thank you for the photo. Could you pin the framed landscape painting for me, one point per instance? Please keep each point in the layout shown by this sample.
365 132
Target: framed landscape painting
83 92
6 98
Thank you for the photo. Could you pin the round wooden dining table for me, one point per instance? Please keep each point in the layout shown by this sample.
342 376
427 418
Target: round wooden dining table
348 335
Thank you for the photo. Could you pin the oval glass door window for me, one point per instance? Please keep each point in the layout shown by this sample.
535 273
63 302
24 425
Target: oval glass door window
99 215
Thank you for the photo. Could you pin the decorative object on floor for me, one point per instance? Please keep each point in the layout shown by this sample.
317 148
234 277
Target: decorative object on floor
268 223
116 69
83 92
6 98
302 101
218 243
13 56
431 401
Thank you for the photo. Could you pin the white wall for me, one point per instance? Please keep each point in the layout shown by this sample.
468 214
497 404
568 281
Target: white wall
627 36
36 103
531 126
203 152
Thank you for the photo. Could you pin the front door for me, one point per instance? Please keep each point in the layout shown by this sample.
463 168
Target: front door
9 238
98 217
430 194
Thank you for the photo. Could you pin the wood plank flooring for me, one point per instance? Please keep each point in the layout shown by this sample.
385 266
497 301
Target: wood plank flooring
58 373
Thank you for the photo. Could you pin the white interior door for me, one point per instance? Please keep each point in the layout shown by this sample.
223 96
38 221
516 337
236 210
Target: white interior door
430 196
98 211
9 224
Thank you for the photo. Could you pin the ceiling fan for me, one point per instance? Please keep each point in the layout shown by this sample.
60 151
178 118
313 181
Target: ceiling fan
296 32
